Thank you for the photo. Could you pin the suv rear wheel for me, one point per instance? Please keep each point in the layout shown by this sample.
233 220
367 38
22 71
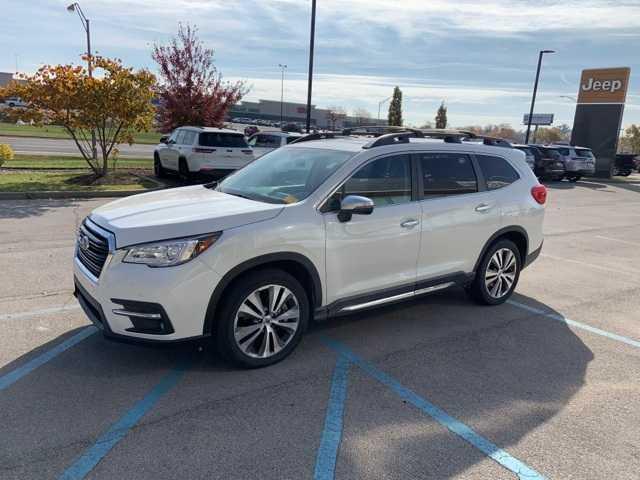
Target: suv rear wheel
158 169
183 171
498 274
263 319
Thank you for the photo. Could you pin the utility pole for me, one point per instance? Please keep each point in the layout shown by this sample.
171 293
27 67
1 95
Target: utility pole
283 68
311 45
380 103
75 7
535 91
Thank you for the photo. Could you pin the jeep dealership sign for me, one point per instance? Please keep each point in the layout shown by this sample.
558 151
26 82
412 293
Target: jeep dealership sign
604 85
601 96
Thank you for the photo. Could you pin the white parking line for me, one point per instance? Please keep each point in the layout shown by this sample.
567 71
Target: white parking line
635 244
35 313
591 265
583 326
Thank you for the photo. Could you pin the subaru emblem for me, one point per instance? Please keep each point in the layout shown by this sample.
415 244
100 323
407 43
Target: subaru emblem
83 241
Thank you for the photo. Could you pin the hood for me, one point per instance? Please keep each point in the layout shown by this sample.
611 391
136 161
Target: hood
179 212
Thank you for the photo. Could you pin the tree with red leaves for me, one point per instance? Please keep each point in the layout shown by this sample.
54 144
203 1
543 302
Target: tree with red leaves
192 91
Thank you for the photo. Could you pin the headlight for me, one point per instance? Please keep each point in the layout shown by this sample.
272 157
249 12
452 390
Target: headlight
171 252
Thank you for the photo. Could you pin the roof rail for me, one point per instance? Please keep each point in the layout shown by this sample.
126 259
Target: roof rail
315 136
393 138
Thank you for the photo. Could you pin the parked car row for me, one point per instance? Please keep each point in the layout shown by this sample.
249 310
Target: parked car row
559 161
191 151
214 152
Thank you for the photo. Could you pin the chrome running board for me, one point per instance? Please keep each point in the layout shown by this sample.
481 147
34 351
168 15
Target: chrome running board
393 298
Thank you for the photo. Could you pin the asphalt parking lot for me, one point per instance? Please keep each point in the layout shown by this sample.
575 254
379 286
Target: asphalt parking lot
546 386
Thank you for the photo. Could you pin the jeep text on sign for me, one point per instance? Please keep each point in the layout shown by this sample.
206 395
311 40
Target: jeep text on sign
604 85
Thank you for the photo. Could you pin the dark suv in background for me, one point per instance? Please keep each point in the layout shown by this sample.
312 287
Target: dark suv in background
548 163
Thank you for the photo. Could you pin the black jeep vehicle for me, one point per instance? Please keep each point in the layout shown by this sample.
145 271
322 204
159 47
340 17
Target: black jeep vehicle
548 163
625 164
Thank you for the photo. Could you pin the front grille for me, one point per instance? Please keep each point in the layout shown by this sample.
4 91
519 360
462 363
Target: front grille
93 254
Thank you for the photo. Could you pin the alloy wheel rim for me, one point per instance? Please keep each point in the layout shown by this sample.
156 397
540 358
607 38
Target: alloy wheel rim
266 321
501 273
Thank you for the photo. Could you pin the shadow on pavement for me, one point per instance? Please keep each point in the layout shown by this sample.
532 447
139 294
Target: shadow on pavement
500 370
31 208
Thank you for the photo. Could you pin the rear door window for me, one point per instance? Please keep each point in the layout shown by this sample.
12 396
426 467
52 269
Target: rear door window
222 139
497 172
447 174
189 137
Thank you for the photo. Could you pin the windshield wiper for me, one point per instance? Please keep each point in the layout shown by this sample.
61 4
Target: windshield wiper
211 185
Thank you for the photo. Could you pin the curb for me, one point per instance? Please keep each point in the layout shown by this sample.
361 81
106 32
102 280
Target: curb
46 195
80 194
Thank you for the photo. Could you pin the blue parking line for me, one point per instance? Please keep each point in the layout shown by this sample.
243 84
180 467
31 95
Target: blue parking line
91 457
15 375
573 323
332 433
491 450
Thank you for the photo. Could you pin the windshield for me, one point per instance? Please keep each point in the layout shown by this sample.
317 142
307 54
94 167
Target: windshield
285 175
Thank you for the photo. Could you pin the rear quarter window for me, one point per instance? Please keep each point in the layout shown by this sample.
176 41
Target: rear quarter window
219 139
498 173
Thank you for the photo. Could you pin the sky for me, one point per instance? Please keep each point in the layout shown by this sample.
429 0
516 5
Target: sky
478 57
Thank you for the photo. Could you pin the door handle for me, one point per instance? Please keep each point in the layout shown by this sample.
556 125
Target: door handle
409 223
483 207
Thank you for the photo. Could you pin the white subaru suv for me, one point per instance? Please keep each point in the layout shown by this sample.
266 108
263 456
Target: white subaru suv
201 150
318 228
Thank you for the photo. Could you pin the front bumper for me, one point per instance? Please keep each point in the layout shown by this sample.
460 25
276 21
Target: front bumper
144 304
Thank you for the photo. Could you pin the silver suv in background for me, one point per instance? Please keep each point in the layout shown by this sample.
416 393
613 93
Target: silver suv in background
578 161
201 150
265 142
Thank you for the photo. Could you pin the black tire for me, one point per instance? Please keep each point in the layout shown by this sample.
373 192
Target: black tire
183 171
574 179
235 296
158 169
479 290
626 173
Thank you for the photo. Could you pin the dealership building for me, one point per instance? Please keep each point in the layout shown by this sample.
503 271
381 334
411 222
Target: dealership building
296 113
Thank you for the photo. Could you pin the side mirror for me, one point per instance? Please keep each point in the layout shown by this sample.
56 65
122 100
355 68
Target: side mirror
354 205
164 139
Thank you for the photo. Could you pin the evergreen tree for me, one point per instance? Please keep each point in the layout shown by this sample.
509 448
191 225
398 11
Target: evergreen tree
441 116
395 108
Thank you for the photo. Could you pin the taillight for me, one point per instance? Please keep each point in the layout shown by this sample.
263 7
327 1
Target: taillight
248 152
539 194
204 150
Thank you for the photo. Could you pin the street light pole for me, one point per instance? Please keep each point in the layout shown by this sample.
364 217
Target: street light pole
535 91
282 67
311 45
380 106
75 7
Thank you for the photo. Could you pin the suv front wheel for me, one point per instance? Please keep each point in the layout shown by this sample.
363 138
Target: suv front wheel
498 274
262 319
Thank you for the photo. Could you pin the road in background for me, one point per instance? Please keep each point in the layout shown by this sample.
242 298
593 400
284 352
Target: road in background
55 146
